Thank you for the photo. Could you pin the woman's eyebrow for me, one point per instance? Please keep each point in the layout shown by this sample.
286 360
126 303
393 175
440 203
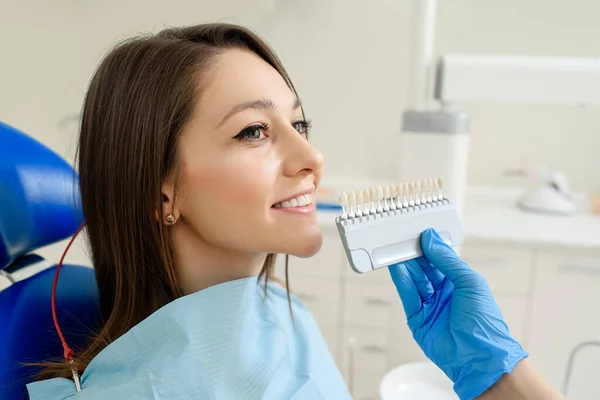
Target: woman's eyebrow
262 104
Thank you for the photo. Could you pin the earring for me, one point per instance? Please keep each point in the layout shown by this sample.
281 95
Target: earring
170 219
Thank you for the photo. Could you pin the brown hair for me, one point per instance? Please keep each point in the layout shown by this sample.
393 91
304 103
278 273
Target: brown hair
137 104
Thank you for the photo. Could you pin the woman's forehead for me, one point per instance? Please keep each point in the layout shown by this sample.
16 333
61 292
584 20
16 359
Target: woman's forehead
239 77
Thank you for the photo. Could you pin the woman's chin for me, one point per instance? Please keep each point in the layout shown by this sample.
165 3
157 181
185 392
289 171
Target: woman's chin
307 246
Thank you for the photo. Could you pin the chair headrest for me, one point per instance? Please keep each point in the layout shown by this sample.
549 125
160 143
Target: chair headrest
40 203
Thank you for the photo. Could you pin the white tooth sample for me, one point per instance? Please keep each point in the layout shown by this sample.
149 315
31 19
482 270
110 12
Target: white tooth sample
359 197
406 193
373 196
308 198
367 198
441 186
393 195
352 198
286 204
379 194
360 202
352 202
344 203
400 194
386 192
386 196
294 202
418 192
430 192
411 193
344 199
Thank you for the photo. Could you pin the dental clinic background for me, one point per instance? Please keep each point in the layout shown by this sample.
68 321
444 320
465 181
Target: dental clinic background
349 61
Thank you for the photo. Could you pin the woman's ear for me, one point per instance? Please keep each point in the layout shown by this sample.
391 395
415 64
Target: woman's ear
170 215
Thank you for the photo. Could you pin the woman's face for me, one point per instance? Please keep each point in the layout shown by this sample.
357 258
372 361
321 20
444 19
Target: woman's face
243 153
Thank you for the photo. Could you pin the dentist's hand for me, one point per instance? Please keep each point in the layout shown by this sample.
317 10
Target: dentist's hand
454 318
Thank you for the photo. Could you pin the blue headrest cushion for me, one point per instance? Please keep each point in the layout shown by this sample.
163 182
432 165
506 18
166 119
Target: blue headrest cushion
27 332
40 201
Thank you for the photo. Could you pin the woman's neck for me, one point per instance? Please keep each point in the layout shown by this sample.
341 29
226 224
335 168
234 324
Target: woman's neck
201 265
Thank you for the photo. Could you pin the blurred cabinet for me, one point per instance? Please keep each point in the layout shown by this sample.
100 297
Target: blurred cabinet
508 270
565 314
548 297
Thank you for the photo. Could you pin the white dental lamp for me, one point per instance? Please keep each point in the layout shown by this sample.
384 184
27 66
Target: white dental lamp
434 140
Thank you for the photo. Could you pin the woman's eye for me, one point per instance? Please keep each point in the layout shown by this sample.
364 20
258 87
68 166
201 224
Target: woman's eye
254 132
302 126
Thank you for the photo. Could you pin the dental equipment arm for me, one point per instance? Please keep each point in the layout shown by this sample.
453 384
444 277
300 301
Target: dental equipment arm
436 128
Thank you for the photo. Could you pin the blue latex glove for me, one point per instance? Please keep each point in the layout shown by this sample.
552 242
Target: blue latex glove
454 318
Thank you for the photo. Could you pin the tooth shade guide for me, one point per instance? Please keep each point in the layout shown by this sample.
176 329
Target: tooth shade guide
379 239
397 198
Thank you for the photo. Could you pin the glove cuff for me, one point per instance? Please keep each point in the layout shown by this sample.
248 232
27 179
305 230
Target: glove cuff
485 373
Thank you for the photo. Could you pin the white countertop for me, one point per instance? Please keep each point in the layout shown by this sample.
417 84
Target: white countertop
492 214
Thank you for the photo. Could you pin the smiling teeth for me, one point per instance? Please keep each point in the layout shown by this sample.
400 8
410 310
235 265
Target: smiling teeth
299 201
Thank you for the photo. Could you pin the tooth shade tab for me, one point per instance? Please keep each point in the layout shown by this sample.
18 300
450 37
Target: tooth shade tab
386 192
440 184
360 203
386 197
398 198
373 195
345 205
367 197
393 197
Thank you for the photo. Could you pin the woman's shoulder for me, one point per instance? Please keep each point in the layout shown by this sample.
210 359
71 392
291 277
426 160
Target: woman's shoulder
236 332
288 301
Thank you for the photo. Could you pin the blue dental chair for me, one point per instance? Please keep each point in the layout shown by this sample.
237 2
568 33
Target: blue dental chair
39 205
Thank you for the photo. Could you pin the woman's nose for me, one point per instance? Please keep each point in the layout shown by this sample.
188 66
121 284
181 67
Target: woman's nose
300 156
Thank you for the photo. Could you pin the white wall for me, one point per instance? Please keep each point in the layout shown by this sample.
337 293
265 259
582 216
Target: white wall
349 62
351 66
49 50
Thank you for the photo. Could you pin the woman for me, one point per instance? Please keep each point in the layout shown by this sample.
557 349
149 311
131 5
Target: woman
195 170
